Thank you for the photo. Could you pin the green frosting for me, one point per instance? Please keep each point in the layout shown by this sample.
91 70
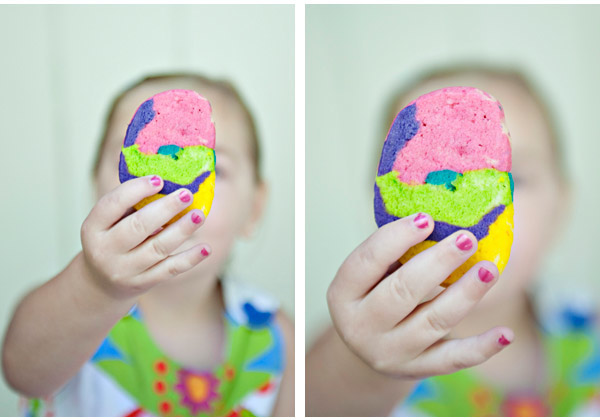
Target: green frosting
181 166
475 194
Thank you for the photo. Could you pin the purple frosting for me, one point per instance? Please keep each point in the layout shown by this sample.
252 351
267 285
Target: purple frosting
382 217
142 117
168 186
404 128
480 230
440 229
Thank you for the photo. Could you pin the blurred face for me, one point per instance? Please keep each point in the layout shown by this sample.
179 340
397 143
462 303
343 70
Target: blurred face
539 198
238 199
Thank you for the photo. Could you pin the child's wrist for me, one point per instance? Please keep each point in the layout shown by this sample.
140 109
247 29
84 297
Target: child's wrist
370 377
87 285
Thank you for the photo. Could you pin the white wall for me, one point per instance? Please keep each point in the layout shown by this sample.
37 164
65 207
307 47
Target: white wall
358 55
61 65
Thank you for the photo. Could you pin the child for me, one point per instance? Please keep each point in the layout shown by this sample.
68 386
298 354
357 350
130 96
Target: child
400 347
141 321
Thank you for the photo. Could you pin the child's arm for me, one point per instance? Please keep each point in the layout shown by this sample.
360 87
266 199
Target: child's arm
56 328
339 383
59 325
386 337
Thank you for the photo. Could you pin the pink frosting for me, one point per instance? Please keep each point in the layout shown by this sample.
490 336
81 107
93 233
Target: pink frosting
182 117
461 128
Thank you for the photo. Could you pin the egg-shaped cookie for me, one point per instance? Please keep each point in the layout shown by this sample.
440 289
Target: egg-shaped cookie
172 135
448 154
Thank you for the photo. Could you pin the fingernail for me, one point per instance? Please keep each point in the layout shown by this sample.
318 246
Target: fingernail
155 180
463 242
185 196
204 252
421 221
196 218
485 275
503 341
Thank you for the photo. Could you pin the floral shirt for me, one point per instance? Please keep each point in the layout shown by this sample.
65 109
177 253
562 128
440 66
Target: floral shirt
130 376
572 352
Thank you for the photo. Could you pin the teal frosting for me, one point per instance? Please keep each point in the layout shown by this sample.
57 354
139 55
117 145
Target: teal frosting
169 150
444 177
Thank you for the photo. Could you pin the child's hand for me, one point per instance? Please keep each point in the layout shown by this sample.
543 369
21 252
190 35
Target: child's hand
379 313
122 254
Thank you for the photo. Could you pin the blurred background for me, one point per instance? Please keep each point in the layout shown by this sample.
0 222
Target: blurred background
62 65
356 59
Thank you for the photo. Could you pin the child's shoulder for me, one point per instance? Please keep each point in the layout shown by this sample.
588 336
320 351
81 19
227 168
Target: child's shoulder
248 305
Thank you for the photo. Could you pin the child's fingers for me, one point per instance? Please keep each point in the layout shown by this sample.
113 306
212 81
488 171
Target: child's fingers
174 265
160 246
134 229
434 319
448 356
399 294
113 205
368 263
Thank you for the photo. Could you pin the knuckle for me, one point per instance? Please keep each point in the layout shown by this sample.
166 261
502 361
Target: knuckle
111 199
352 337
94 256
380 358
400 289
174 270
366 255
380 365
115 277
383 364
436 322
159 249
136 224
459 363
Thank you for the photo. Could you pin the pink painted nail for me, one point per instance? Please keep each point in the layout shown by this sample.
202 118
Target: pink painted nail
155 181
185 196
421 221
204 252
196 218
463 242
503 341
485 275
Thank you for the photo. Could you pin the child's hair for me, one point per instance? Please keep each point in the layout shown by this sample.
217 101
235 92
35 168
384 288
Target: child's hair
195 82
516 77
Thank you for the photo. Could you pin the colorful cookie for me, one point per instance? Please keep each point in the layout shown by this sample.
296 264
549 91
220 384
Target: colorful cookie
172 135
448 154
